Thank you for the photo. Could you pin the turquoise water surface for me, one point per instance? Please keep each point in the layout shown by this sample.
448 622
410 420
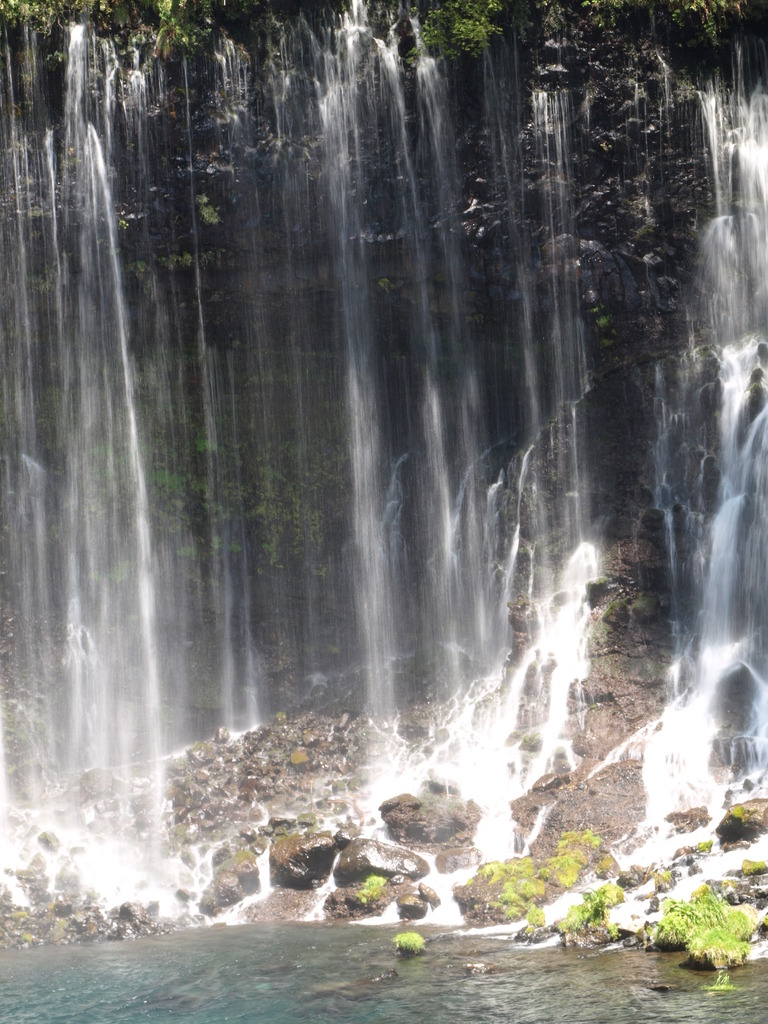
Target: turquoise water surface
333 973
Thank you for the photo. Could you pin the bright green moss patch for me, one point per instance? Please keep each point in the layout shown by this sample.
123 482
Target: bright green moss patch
753 867
714 933
705 847
573 855
536 917
409 943
520 885
716 949
585 840
565 868
372 889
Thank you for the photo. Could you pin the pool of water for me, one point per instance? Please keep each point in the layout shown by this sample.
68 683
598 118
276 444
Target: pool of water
332 973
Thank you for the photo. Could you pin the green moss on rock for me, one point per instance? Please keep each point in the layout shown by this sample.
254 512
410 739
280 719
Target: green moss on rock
714 933
753 867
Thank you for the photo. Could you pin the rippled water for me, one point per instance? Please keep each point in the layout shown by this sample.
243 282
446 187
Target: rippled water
327 973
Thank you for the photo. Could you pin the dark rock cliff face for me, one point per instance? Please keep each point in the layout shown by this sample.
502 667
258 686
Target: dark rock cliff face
566 207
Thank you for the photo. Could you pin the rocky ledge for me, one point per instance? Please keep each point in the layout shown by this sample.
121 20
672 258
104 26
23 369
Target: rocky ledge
279 824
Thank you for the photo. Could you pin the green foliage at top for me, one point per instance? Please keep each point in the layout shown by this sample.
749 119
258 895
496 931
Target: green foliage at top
41 14
463 26
706 19
180 25
455 27
409 943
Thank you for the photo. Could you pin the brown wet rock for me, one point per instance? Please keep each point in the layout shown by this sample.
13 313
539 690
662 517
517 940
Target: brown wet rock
223 892
363 857
690 819
744 822
411 906
431 821
610 803
282 905
456 859
302 861
346 903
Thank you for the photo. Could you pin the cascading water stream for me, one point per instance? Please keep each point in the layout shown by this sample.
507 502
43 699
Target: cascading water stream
714 734
101 277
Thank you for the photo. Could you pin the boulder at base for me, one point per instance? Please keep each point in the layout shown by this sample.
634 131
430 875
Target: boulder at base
302 861
363 857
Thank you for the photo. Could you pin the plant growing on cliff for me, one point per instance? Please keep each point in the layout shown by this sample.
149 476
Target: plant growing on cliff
462 26
705 19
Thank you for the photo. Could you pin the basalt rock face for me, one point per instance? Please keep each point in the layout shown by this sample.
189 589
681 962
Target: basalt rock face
572 190
528 286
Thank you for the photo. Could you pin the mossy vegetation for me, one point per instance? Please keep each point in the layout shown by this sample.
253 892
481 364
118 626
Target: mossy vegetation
715 949
520 886
714 934
703 19
455 28
753 867
179 25
409 943
372 890
463 26
573 855
593 913
536 918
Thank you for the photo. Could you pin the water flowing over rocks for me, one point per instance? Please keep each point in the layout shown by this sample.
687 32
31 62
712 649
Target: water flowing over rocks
463 412
431 822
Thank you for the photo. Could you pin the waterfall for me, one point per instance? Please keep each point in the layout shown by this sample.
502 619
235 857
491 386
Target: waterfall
273 435
732 658
714 733
105 669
